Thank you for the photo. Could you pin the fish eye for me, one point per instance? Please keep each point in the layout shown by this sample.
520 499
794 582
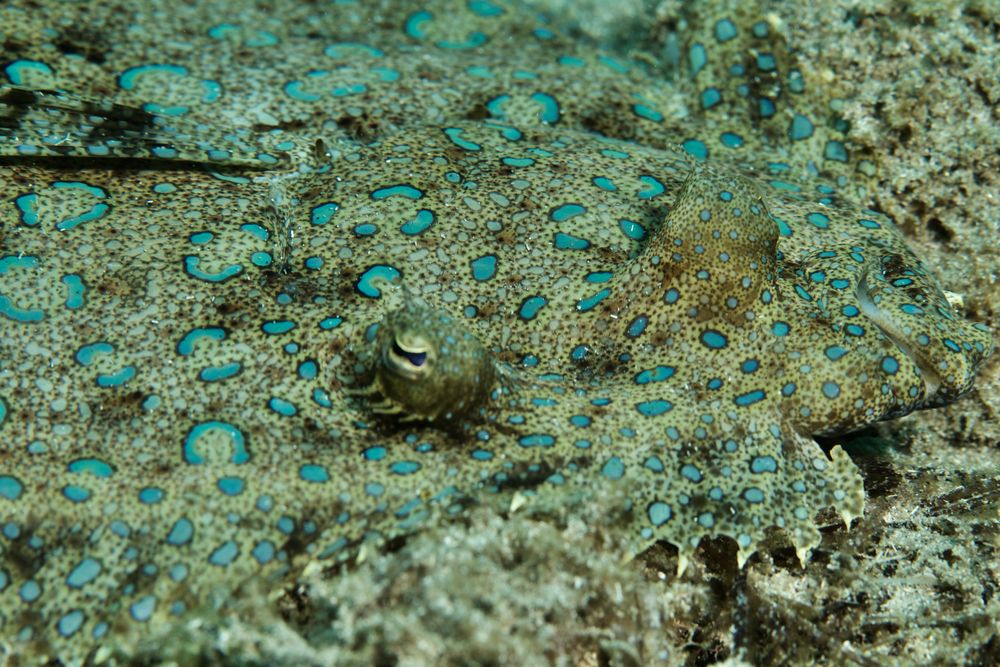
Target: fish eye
415 358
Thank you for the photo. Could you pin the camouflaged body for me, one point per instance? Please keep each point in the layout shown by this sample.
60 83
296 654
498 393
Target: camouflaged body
208 226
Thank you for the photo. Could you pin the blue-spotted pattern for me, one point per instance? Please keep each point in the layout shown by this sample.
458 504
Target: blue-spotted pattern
203 348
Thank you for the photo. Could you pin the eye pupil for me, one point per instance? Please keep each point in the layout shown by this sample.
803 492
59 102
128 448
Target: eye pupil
415 358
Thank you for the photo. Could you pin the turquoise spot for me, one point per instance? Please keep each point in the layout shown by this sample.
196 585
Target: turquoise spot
697 58
637 326
631 229
151 495
654 189
127 79
819 220
76 494
588 303
710 97
530 307
658 374
835 151
264 551
646 112
186 345
95 467
276 327
414 25
374 453
566 211
143 608
455 134
599 277
380 273
835 352
316 474
30 591
831 389
219 373
691 472
474 39
537 440
225 554
566 242
282 407
731 140
484 268
706 519
27 205
725 30
605 183
330 323
613 468
404 467
294 90
762 464
16 70
713 339
419 224
180 533
753 495
401 190
659 513
71 623
239 454
307 369
84 573
231 486
518 161
116 379
800 128
321 214
749 398
654 408
191 267
374 489
890 365
696 149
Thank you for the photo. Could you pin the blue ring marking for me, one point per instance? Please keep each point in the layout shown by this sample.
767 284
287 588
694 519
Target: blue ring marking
220 373
588 303
831 389
658 374
455 134
753 495
659 513
419 224
261 259
308 369
181 532
725 30
762 464
314 474
27 206
264 552
788 389
767 62
713 339
321 214
566 211
277 327
550 108
537 440
282 407
696 149
710 97
691 472
530 307
495 106
654 408
127 79
240 455
151 495
484 268
656 187
116 379
377 273
187 344
85 355
613 468
800 128
890 365
834 352
142 609
84 573
91 466
648 113
7 307
398 190
474 39
15 71
231 485
294 90
71 623
96 212
563 241
191 268
404 467
224 554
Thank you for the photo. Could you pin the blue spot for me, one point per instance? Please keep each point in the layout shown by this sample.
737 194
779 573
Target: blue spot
484 268
566 242
566 211
831 389
696 149
854 330
654 408
633 230
281 406
766 108
731 140
374 489
706 519
224 554
655 187
550 108
231 486
537 440
658 374
599 277
455 134
316 474
835 151
414 25
10 487
181 533
379 273
84 573
713 339
753 495
374 453
277 327
482 455
659 513
819 220
613 468
150 495
143 608
762 464
127 79
725 30
419 224
16 69
400 190
648 113
750 398
710 97
264 551
605 183
637 326
191 267
588 303
835 352
76 494
750 366
95 467
518 161
69 624
766 62
801 128
671 295
308 369
530 307
404 467
691 472
788 389
118 378
239 452
890 365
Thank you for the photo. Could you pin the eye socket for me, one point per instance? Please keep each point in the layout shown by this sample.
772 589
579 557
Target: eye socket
416 359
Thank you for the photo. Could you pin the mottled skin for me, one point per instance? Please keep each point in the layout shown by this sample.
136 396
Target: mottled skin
413 283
